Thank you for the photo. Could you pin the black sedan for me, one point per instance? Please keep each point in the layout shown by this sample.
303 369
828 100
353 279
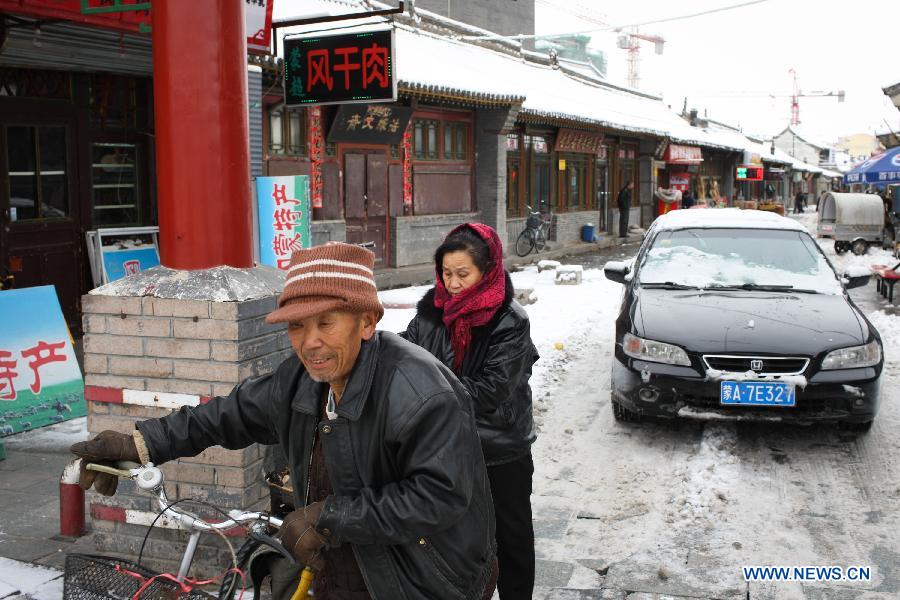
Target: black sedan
731 314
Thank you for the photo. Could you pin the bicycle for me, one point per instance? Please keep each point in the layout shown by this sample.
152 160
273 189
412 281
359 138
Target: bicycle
95 577
534 236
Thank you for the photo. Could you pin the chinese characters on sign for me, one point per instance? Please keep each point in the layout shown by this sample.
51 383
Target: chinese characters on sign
283 212
748 173
370 124
677 154
340 68
571 140
40 382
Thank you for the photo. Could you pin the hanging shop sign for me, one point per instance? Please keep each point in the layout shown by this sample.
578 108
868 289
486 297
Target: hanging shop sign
258 15
748 173
282 205
40 382
340 68
680 181
370 124
676 154
571 140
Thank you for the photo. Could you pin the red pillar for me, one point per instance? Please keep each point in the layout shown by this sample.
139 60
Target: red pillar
202 133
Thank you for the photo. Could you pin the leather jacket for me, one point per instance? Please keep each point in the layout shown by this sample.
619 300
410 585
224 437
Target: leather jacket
495 372
411 492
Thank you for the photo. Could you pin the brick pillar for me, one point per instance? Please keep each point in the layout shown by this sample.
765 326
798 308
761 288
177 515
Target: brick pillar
147 355
491 126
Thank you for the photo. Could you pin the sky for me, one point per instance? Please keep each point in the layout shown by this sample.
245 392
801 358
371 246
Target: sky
728 64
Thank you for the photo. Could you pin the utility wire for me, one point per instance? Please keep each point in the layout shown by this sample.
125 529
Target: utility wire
525 36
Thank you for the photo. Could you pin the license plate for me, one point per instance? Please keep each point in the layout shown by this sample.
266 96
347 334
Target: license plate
756 393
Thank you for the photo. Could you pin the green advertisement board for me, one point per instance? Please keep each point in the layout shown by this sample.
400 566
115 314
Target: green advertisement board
40 380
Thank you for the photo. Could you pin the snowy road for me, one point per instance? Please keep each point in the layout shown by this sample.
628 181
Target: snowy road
678 509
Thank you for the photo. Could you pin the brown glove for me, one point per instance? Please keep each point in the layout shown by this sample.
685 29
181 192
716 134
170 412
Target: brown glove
106 448
299 536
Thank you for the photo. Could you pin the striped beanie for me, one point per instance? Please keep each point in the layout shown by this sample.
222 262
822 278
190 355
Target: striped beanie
335 276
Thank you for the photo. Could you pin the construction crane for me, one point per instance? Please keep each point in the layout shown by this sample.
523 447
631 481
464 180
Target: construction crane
631 41
797 94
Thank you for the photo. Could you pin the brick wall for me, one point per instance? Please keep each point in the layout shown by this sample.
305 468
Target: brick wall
414 239
194 347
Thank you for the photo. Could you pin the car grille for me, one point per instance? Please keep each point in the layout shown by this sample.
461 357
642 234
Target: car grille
771 365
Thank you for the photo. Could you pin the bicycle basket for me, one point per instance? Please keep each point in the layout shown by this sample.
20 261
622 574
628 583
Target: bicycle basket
93 577
534 221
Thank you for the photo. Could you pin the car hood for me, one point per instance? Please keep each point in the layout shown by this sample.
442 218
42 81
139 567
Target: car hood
757 322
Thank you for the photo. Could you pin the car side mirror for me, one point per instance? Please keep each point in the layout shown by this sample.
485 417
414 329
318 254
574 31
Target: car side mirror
856 277
616 271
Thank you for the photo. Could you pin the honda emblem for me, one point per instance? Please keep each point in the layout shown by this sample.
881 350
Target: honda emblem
756 365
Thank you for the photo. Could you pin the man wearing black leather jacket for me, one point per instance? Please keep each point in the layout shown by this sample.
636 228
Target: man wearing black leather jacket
379 436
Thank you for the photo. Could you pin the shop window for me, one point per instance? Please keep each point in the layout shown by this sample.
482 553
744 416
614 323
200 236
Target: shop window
454 141
287 131
425 136
113 103
114 185
576 192
35 83
37 172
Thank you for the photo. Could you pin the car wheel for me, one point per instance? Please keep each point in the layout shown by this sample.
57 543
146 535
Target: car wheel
624 415
839 247
860 247
863 427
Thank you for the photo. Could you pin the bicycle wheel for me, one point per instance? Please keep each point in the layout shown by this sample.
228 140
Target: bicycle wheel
525 242
540 242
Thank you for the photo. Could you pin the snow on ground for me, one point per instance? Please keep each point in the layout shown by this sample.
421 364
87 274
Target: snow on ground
50 438
39 583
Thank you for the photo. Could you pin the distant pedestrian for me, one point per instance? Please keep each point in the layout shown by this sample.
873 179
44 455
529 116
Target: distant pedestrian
624 202
798 202
687 200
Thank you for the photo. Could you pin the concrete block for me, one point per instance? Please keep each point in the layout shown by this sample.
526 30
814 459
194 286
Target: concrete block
115 381
111 305
525 296
206 329
94 323
170 307
235 311
569 274
223 497
206 370
143 367
257 326
247 349
175 348
179 386
97 423
239 477
96 363
140 326
189 473
227 458
113 344
547 265
137 412
263 365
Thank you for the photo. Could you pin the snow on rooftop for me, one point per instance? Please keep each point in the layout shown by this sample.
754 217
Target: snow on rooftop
729 218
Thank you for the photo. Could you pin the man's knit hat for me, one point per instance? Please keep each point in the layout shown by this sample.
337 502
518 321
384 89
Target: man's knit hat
335 276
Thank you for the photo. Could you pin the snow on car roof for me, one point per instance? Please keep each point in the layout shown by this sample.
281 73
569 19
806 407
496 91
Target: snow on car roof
729 218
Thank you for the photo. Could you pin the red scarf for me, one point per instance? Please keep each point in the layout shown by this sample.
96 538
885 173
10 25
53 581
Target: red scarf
474 306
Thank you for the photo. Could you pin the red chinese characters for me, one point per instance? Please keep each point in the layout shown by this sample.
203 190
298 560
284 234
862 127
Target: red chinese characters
348 68
39 355
285 218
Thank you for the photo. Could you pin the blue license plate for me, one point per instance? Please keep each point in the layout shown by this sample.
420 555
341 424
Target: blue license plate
756 393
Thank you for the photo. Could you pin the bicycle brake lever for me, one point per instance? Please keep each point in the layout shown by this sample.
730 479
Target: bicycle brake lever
274 544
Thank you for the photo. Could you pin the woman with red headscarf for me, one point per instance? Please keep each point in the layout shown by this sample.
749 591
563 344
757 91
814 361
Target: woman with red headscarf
471 321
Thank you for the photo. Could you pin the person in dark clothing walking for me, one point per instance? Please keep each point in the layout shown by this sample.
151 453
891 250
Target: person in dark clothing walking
624 202
472 323
798 202
385 458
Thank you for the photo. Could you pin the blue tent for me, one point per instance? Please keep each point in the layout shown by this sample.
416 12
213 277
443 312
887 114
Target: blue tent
880 170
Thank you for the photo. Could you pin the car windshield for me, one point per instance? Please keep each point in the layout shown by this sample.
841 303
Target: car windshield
749 259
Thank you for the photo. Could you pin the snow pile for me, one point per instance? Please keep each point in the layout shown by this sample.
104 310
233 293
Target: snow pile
36 583
716 375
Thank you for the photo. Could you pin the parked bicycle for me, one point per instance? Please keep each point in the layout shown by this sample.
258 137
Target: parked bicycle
534 236
94 577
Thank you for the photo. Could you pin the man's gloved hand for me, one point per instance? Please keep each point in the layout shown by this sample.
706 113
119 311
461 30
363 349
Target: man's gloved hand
299 536
106 448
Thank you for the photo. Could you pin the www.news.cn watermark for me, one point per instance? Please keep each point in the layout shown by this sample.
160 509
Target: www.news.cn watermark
807 573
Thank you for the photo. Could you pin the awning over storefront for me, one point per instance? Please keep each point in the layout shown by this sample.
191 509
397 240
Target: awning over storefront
677 154
881 169
572 140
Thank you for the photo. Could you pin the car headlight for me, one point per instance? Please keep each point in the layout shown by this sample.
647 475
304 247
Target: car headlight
654 351
855 356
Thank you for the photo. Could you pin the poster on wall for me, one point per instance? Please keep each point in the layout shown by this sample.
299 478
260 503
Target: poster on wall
115 253
282 206
40 381
680 181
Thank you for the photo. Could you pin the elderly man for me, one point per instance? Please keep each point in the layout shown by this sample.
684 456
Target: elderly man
379 436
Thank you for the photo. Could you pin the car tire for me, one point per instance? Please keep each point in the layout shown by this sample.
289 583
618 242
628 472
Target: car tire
853 427
840 247
624 415
859 247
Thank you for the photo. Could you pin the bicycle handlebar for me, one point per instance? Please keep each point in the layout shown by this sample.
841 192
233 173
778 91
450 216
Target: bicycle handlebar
150 479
